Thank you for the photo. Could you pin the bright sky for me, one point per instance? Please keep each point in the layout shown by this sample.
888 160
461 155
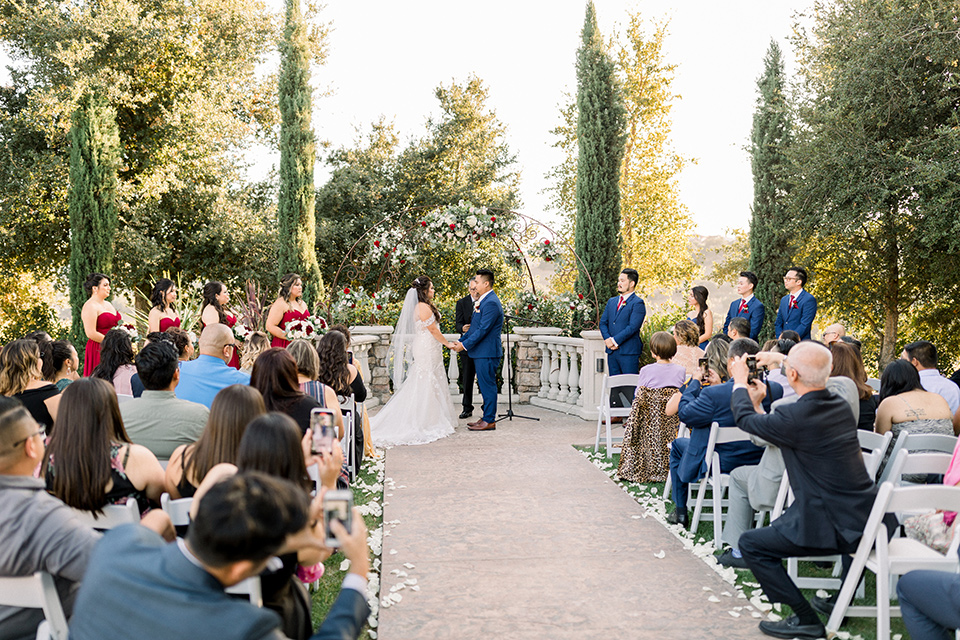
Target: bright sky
386 58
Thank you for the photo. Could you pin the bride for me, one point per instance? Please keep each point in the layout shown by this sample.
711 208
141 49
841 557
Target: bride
421 409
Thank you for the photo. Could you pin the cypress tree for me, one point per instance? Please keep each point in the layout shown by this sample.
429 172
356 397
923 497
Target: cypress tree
770 248
295 209
601 118
94 157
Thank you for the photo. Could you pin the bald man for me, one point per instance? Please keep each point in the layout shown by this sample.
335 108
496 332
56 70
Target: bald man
817 436
833 333
202 379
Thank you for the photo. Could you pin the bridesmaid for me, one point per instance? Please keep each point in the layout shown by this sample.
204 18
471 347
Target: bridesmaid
701 314
215 295
98 318
163 314
288 307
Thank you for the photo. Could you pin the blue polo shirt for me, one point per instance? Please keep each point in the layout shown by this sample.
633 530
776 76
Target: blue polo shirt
202 379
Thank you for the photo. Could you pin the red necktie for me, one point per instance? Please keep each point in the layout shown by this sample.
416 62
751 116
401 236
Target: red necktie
743 306
620 304
793 302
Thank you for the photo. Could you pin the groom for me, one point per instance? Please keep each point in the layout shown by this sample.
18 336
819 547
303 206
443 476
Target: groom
482 344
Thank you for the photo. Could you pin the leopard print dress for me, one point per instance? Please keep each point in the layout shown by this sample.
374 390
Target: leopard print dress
645 456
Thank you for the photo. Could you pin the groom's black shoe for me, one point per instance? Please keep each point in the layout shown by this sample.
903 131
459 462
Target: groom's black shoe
483 426
465 414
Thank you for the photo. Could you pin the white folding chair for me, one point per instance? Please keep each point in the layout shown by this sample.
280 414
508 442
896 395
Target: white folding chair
607 412
37 592
715 480
875 447
178 510
249 587
348 407
919 442
113 515
894 557
911 463
682 432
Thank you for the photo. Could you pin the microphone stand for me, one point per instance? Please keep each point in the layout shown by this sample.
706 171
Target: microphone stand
510 415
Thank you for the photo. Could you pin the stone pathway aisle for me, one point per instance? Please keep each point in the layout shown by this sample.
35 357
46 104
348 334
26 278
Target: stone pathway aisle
514 534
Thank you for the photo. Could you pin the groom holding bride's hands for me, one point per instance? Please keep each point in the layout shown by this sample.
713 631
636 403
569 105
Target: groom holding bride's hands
482 344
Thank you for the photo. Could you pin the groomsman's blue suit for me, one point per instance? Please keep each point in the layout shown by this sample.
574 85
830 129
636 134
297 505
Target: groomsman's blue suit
624 327
754 313
482 343
799 319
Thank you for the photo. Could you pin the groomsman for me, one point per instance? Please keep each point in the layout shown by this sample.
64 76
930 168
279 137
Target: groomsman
747 306
798 308
620 325
468 371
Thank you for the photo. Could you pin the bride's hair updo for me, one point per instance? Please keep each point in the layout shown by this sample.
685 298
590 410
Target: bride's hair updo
422 284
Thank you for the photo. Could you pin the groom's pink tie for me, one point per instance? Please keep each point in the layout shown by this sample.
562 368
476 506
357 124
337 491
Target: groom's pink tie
620 304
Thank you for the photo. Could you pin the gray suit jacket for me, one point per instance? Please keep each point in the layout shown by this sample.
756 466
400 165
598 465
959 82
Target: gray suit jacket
764 484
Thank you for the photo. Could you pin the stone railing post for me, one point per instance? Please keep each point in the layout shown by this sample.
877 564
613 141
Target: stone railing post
378 383
531 367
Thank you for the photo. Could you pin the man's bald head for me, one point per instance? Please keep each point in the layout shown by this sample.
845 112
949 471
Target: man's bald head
214 338
812 361
834 332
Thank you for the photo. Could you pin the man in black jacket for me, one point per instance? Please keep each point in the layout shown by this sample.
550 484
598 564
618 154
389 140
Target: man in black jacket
834 493
468 372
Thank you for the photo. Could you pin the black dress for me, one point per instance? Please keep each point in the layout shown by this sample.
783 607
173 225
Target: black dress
34 401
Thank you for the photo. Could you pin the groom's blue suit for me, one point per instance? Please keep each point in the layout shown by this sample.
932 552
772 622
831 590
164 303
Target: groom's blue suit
482 343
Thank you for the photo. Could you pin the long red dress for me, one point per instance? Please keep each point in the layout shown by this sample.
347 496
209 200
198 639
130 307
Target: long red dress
289 316
91 353
235 358
166 323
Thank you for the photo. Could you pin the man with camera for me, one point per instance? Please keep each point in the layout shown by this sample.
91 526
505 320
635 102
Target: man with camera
700 407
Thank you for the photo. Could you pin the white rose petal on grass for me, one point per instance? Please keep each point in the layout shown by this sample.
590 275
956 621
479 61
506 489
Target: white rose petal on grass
373 622
408 565
713 599
401 574
774 617
822 594
395 597
411 581
898 636
660 555
372 634
707 589
726 593
397 587
735 614
756 614
345 565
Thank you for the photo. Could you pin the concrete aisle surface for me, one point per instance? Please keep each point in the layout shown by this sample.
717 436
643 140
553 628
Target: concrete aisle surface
514 534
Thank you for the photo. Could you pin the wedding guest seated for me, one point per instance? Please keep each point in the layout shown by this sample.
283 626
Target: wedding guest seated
154 336
308 366
832 334
739 328
702 404
37 531
848 363
272 444
137 586
183 342
232 410
158 419
649 431
257 342
116 361
275 377
775 372
368 450
91 462
922 354
834 493
936 528
344 378
904 405
21 377
714 371
60 363
790 335
853 341
929 604
688 354
201 379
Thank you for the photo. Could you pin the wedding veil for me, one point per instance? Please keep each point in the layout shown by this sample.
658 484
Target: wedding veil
400 355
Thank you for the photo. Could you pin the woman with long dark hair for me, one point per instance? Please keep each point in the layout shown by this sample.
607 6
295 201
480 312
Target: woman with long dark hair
215 296
308 365
116 361
21 377
61 363
336 372
275 377
847 363
904 404
232 410
420 410
91 462
163 313
288 307
701 314
98 318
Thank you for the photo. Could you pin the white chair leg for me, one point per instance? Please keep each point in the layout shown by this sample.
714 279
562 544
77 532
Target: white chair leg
596 442
717 514
883 606
701 495
609 437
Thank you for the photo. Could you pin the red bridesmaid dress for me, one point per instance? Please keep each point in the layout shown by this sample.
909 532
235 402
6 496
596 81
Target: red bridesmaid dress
166 323
91 354
235 358
289 316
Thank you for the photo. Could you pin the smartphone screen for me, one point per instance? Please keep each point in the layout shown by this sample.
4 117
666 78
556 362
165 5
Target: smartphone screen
337 505
324 431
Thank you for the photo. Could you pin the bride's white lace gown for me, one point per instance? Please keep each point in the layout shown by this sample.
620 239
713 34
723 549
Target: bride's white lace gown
421 410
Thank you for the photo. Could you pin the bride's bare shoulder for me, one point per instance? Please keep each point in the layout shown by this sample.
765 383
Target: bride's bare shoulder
424 312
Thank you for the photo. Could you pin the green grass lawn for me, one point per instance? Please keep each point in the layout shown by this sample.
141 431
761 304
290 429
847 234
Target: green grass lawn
367 494
865 628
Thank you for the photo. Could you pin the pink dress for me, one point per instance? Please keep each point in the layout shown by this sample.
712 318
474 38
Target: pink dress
289 316
166 323
91 354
